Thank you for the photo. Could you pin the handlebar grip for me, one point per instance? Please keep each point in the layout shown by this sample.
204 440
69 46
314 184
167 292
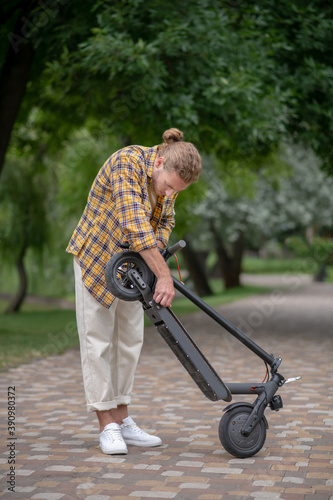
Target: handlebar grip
176 247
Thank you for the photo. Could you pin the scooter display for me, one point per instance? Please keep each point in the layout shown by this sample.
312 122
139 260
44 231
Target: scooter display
242 428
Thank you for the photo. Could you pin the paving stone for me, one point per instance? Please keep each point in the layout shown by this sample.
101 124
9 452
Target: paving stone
194 486
48 496
153 494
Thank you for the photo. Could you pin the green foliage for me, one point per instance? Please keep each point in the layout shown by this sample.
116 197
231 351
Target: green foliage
78 162
266 205
301 38
44 190
82 155
23 215
237 78
186 217
320 249
57 27
193 67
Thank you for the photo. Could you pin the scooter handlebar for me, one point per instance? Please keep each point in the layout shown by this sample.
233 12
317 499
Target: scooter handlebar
168 252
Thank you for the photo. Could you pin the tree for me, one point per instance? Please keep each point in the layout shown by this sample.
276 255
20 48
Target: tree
317 253
227 214
172 70
305 208
289 195
238 78
186 220
34 32
300 36
23 219
43 195
16 66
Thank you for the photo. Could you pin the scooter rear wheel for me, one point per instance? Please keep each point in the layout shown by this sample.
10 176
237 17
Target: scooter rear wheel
233 441
117 279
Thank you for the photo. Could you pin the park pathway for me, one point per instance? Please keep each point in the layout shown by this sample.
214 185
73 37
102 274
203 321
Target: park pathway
55 445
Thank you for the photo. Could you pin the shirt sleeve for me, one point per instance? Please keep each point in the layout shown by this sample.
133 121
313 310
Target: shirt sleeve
167 221
127 184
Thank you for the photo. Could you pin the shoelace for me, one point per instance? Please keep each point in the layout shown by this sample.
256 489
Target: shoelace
114 435
135 428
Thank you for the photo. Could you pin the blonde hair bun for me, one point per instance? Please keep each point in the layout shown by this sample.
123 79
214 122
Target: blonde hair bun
172 135
180 156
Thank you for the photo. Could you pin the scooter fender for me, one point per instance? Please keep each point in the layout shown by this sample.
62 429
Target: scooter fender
234 405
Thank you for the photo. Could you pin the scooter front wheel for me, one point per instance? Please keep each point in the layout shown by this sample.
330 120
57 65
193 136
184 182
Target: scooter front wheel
233 441
117 279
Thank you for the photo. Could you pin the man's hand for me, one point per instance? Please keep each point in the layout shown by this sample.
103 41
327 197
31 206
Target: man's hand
164 289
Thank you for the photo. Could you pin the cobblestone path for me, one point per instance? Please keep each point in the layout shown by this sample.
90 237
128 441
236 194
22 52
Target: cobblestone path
56 451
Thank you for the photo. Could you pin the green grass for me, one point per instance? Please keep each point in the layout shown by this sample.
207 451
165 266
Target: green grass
183 306
27 307
35 334
256 265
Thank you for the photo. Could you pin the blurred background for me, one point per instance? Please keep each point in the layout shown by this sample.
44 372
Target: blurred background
249 83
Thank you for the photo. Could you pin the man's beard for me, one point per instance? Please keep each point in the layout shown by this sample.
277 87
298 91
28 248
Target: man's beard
154 178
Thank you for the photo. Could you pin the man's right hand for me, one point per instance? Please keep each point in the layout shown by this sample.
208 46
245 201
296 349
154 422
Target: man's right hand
164 291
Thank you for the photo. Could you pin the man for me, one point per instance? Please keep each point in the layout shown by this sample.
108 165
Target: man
131 200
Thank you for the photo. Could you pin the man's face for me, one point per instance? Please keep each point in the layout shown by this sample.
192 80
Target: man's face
166 183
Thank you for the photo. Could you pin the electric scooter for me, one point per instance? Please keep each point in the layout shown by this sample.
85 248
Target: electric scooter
242 428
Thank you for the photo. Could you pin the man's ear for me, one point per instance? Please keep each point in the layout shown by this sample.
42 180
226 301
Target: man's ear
159 162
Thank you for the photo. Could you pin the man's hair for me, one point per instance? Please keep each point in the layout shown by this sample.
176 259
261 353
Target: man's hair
179 156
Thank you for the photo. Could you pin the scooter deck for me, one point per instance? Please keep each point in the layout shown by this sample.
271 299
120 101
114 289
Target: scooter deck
188 353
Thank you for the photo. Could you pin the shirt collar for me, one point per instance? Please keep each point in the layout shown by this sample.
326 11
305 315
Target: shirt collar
150 157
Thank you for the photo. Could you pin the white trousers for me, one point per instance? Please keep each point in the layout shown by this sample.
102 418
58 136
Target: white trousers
110 345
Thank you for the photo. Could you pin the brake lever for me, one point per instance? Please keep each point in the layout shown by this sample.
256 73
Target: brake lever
292 379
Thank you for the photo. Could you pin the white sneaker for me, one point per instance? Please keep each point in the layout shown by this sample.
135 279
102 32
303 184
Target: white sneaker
111 440
135 436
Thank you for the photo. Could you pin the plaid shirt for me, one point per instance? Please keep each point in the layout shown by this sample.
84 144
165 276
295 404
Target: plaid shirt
118 210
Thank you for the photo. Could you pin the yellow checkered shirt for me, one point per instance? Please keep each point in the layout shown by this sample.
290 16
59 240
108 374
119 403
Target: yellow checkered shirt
118 210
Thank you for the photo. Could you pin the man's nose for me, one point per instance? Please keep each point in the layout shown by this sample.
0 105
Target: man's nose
169 192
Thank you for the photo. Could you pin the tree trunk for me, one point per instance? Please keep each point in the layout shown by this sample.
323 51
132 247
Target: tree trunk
15 74
197 272
321 275
18 299
230 266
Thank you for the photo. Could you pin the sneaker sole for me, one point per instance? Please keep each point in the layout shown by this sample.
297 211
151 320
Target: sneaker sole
114 452
140 443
